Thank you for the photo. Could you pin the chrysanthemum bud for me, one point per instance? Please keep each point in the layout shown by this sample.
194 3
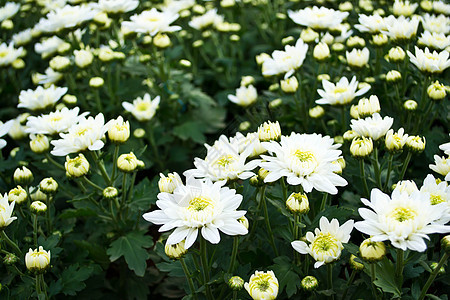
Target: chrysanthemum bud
354 112
96 82
119 131
361 147
367 107
298 203
38 195
288 40
436 91
260 58
139 133
309 283
18 195
396 54
415 143
308 35
379 39
337 47
78 166
170 183
395 141
127 162
262 173
393 76
355 42
289 85
162 40
247 80
110 192
244 126
262 285
83 58
372 251
175 251
346 6
38 207
10 259
269 131
321 77
254 181
321 51
357 266
426 5
37 261
18 64
350 135
69 99
316 112
275 103
23 176
236 283
39 143
244 221
410 105
445 243
48 185
433 267
59 63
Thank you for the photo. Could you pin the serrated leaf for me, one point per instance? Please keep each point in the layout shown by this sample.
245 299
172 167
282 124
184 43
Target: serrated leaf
191 130
285 275
72 279
386 279
131 247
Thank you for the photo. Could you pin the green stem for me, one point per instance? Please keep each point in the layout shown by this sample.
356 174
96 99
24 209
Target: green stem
297 234
204 262
349 283
43 285
399 266
284 187
189 278
233 254
100 165
405 165
124 189
54 162
391 157
11 243
330 278
373 277
363 177
324 201
376 167
38 286
92 184
433 276
234 295
114 170
47 215
269 228
35 229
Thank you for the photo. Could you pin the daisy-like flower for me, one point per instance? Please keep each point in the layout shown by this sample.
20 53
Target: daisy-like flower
441 7
374 127
223 161
318 17
426 61
405 220
143 109
152 22
117 6
305 159
4 129
49 46
245 96
49 77
286 61
198 205
446 148
9 10
358 57
175 6
401 28
404 8
373 24
40 98
406 186
395 141
434 40
66 17
437 24
87 134
325 244
251 140
210 18
341 93
22 37
441 166
262 285
54 122
8 54
438 193
6 210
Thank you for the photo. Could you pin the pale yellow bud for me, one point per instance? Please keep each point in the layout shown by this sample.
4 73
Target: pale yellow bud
321 51
127 162
170 183
346 6
23 176
393 76
18 64
18 195
361 147
350 135
298 203
379 39
437 91
289 85
96 82
308 35
357 266
247 80
236 283
372 251
48 185
7 24
244 221
83 58
269 131
39 143
415 143
38 207
244 126
37 261
354 113
396 54
338 47
321 77
185 63
59 63
316 112
162 40
275 103
356 41
287 40
139 133
119 131
175 251
261 58
78 166
395 141
410 105
367 107
110 192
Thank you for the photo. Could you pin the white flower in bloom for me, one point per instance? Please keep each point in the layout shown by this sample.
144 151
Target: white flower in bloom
305 159
395 141
87 134
143 109
66 17
152 22
4 129
6 210
37 260
262 286
55 122
325 244
446 148
210 18
441 7
200 204
8 54
22 37
318 18
251 140
437 24
117 6
437 193
175 6
374 127
406 186
286 61
430 62
441 166
401 28
404 219
49 77
245 96
223 161
373 23
170 183
358 57
9 10
49 46
404 8
340 94
434 40
40 98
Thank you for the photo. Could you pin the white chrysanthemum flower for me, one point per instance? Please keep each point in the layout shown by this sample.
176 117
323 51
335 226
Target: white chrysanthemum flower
200 204
441 7
170 183
446 148
55 122
86 135
404 219
305 159
251 140
325 244
40 98
358 57
434 40
143 109
372 24
437 192
175 6
401 28
223 161
245 96
318 17
340 94
210 18
48 46
117 6
4 129
406 186
152 22
8 54
374 127
404 8
395 140
286 61
437 24
66 17
6 210
22 37
430 62
49 77
441 166
262 286
9 10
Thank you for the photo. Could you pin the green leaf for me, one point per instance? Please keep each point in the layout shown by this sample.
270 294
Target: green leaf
285 275
145 194
72 279
386 279
192 130
76 213
131 247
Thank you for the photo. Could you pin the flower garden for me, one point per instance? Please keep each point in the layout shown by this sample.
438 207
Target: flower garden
226 149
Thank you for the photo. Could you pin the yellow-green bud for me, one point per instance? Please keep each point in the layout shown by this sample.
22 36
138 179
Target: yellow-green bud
18 195
433 267
170 183
175 251
308 35
38 207
39 143
236 283
309 283
48 185
69 99
372 251
37 261
350 135
119 131
110 192
254 181
287 40
244 126
23 176
298 203
356 41
96 82
7 24
393 76
367 107
161 40
260 58
410 105
59 63
10 259
357 266
415 143
361 147
197 44
321 51
38 195
127 162
274 87
346 6
436 91
269 131
78 166
316 112
247 80
185 63
244 221
275 103
18 64
445 243
321 77
139 133
396 54
289 85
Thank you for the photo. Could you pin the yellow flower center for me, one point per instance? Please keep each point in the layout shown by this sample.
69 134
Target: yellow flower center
325 243
402 214
143 106
436 199
225 160
3 54
262 282
340 90
198 204
56 118
431 56
81 131
2 208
